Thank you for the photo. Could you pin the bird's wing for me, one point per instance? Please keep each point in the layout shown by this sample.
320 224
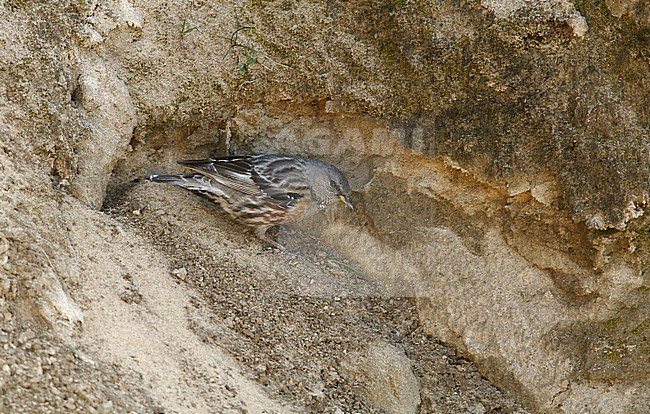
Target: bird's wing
276 178
281 177
281 171
232 172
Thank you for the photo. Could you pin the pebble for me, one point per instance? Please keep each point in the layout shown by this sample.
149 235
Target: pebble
181 273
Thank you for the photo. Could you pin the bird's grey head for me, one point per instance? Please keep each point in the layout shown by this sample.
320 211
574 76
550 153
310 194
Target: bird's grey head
330 185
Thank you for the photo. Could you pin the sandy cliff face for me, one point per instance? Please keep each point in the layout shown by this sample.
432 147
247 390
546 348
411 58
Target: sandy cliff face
498 156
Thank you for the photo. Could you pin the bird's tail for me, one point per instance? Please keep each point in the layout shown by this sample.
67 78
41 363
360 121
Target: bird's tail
170 179
195 182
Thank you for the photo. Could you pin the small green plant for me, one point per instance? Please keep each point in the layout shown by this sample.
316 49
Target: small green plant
245 55
185 28
612 323
250 59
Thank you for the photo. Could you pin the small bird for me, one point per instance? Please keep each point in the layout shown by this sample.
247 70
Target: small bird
264 190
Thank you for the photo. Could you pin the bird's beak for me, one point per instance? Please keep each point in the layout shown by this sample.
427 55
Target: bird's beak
346 200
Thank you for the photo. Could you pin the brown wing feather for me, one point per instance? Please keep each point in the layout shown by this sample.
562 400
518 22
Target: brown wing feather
261 176
231 172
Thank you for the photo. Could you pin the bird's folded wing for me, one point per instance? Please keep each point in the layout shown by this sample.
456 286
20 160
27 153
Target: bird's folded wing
279 179
284 173
234 173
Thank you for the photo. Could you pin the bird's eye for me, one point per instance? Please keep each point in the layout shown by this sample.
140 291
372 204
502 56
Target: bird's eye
333 184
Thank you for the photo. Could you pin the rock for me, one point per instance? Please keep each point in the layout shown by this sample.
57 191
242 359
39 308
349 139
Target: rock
384 373
105 99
